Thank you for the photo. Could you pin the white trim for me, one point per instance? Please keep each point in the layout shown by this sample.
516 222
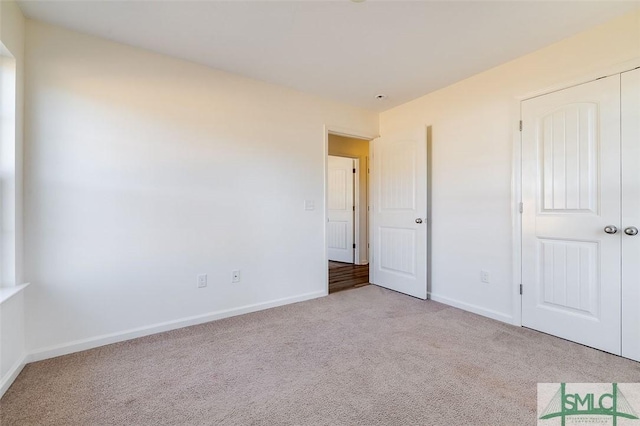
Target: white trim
338 131
371 238
603 72
5 52
356 210
489 313
12 374
516 216
7 293
349 133
429 215
325 207
107 339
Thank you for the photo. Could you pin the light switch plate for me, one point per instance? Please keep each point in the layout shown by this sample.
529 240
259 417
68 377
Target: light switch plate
202 280
309 205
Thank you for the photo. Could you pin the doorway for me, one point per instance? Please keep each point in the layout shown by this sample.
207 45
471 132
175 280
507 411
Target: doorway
347 212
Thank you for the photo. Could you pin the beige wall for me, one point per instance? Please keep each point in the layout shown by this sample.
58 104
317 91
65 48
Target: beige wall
357 148
474 125
143 171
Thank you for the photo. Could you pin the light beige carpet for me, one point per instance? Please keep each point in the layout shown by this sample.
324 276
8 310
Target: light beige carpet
366 356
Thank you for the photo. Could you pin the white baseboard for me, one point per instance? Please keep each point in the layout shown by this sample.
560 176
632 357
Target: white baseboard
10 377
106 339
499 316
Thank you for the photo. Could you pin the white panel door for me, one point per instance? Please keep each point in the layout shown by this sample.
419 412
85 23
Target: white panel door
341 207
631 214
571 271
399 192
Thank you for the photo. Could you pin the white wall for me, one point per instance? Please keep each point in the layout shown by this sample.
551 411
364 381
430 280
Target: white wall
12 337
143 171
473 123
12 340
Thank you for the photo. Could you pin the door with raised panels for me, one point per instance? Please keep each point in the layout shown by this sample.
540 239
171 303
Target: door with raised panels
571 236
399 208
340 209
630 85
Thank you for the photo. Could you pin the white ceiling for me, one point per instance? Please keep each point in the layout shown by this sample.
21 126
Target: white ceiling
337 49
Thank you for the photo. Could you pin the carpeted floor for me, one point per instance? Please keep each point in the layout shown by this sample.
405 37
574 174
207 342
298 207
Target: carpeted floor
368 356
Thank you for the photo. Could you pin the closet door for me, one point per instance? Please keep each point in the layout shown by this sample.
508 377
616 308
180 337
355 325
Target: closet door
571 236
631 214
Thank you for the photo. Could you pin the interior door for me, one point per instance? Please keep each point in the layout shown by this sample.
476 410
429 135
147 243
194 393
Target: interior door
341 209
399 208
631 214
571 237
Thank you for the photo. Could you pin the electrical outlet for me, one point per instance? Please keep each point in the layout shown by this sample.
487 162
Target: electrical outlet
484 276
202 280
235 276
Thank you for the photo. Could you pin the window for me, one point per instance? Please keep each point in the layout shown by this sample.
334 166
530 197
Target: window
7 168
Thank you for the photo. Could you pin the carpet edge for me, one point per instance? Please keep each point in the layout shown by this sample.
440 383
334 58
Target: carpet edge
121 336
12 374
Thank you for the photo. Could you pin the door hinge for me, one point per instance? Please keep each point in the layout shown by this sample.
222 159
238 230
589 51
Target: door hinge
520 288
354 246
354 208
520 125
521 207
368 245
354 170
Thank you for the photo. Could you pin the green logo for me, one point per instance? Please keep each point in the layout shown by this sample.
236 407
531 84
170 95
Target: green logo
612 404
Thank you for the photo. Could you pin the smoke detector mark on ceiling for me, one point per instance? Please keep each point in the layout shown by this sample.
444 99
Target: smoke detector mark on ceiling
380 97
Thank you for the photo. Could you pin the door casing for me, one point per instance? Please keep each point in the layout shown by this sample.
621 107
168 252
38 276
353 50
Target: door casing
349 133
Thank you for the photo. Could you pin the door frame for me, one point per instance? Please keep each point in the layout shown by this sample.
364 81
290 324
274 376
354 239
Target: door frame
350 133
356 212
516 169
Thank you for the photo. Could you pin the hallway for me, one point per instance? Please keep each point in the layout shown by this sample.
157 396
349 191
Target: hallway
344 276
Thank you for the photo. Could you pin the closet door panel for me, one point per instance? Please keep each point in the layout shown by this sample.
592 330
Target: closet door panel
571 202
630 102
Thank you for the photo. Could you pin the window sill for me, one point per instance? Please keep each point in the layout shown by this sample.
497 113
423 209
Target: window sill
7 293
